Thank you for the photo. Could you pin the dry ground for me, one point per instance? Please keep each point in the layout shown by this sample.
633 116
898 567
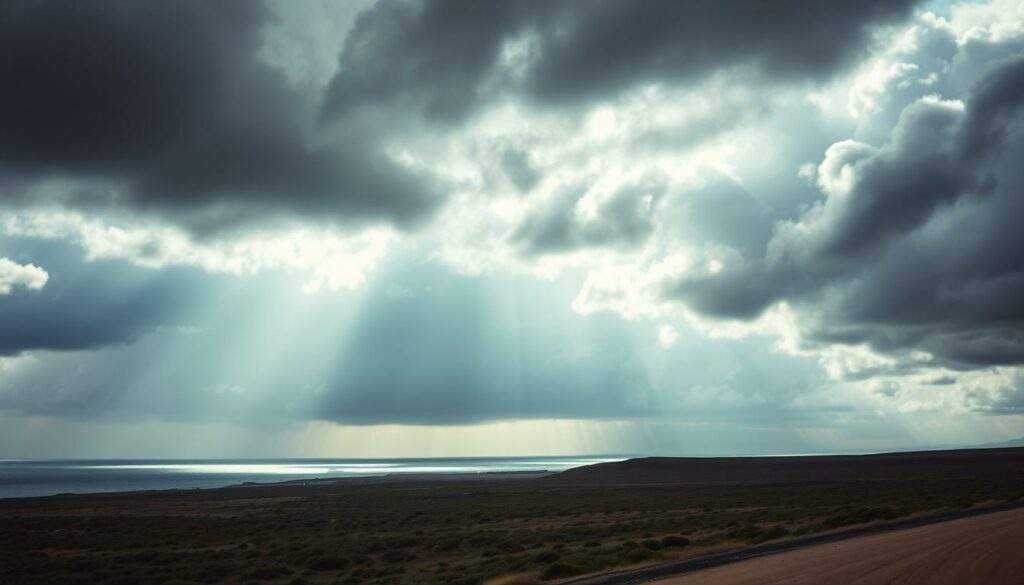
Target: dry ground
985 549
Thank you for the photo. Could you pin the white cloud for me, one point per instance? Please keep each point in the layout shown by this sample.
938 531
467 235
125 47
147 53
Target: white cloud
667 336
13 275
328 258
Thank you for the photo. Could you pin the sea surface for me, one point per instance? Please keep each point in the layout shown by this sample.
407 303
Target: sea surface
50 477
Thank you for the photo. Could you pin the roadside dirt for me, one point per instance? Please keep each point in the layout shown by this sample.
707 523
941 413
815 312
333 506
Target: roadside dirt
983 549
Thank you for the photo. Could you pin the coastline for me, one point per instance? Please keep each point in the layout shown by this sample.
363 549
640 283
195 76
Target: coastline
35 479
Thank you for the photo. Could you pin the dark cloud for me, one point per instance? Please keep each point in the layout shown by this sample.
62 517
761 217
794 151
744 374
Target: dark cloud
432 58
88 306
953 288
898 187
172 107
609 46
734 293
441 59
914 248
993 107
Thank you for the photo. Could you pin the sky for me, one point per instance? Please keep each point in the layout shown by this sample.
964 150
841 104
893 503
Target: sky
402 228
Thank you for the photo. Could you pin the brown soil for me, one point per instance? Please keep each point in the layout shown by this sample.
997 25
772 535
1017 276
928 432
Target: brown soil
984 549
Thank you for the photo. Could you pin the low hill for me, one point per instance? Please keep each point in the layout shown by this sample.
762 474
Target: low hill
695 470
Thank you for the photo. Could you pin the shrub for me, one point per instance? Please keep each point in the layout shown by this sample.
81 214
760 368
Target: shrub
547 557
402 542
651 544
776 532
560 570
511 547
638 555
266 573
397 556
675 542
327 563
450 544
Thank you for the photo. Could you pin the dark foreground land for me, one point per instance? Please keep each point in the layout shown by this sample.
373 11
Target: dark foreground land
450 530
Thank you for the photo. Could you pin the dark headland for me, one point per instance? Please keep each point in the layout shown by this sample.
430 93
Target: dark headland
689 470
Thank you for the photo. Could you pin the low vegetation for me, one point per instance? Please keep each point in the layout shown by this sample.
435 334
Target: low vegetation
441 532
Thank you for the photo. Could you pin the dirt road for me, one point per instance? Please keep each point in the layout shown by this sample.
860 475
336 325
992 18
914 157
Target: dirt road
984 549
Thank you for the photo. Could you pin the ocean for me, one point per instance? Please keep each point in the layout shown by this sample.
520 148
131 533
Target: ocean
50 477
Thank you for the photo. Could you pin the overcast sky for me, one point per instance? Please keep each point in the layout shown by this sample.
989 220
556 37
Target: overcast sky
414 228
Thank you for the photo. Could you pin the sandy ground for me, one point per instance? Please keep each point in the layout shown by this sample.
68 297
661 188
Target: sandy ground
986 549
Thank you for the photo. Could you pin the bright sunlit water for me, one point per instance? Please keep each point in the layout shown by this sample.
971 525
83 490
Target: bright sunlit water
43 478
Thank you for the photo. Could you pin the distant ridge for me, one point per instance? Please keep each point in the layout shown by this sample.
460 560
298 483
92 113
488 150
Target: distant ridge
971 463
1011 443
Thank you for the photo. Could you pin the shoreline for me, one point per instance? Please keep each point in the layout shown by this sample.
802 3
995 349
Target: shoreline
311 482
195 476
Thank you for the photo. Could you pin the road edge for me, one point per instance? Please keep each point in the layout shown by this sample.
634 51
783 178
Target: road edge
674 568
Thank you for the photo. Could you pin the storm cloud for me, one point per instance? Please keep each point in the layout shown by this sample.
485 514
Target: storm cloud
74 307
444 58
174 111
443 213
171 110
910 249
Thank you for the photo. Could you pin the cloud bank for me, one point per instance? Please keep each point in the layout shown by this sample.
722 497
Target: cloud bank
818 192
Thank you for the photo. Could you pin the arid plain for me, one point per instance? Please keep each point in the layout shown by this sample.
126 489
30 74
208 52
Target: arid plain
608 520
